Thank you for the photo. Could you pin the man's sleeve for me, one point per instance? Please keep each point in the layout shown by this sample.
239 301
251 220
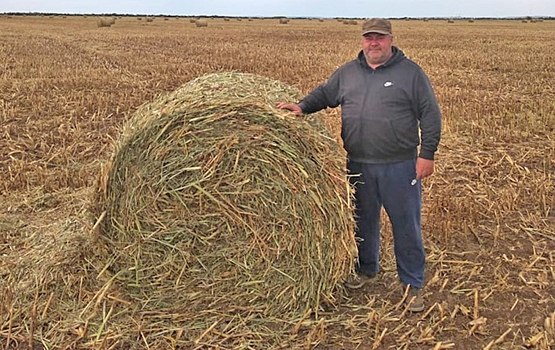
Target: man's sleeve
430 118
324 96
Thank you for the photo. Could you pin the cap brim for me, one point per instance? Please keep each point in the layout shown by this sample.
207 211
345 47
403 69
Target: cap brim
376 31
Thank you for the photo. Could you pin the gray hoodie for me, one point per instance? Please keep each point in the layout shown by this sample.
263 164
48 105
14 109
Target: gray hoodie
382 109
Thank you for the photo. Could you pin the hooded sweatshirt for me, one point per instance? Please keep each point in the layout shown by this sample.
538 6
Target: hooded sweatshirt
382 109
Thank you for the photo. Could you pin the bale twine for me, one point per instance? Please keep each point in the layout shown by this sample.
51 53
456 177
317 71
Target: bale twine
216 203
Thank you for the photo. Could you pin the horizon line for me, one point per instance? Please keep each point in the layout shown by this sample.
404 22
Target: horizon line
16 13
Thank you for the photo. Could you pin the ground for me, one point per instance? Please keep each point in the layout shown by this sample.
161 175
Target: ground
67 87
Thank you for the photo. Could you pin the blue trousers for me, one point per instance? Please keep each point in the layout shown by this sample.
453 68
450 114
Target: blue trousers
389 185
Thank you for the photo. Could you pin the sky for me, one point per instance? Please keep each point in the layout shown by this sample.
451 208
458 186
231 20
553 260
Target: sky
291 8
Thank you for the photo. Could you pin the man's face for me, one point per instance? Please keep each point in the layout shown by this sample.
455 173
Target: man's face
377 48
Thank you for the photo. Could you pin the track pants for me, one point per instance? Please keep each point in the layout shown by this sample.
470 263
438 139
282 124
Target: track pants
389 185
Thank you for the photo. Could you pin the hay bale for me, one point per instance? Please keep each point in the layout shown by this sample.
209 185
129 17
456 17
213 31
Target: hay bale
201 23
217 204
105 22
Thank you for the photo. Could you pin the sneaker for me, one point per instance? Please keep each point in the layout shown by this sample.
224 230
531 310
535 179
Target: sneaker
414 300
357 280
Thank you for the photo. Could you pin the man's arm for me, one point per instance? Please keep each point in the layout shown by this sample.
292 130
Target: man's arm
430 127
430 118
324 96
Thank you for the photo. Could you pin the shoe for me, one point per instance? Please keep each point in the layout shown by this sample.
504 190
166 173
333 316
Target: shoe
358 280
414 300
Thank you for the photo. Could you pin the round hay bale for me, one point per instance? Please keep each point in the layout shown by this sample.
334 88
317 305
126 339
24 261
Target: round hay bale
201 23
105 22
217 203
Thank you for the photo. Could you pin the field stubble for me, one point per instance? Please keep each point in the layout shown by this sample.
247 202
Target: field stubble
67 86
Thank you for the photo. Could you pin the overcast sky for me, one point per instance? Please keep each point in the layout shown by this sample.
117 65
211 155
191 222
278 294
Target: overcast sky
292 8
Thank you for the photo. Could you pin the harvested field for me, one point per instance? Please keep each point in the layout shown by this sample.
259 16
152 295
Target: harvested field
67 87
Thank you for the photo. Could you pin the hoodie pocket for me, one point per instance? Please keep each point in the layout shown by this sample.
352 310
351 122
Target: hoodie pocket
384 138
406 132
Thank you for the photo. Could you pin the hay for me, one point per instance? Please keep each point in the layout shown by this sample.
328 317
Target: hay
105 22
201 23
217 204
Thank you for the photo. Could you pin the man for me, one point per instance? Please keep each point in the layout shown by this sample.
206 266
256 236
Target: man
388 109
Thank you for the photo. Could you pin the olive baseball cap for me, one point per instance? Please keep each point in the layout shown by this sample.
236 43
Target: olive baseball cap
377 25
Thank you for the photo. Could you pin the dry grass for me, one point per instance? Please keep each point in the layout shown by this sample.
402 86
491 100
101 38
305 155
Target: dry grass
67 87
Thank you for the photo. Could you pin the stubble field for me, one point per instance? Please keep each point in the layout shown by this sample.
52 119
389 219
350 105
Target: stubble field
67 86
